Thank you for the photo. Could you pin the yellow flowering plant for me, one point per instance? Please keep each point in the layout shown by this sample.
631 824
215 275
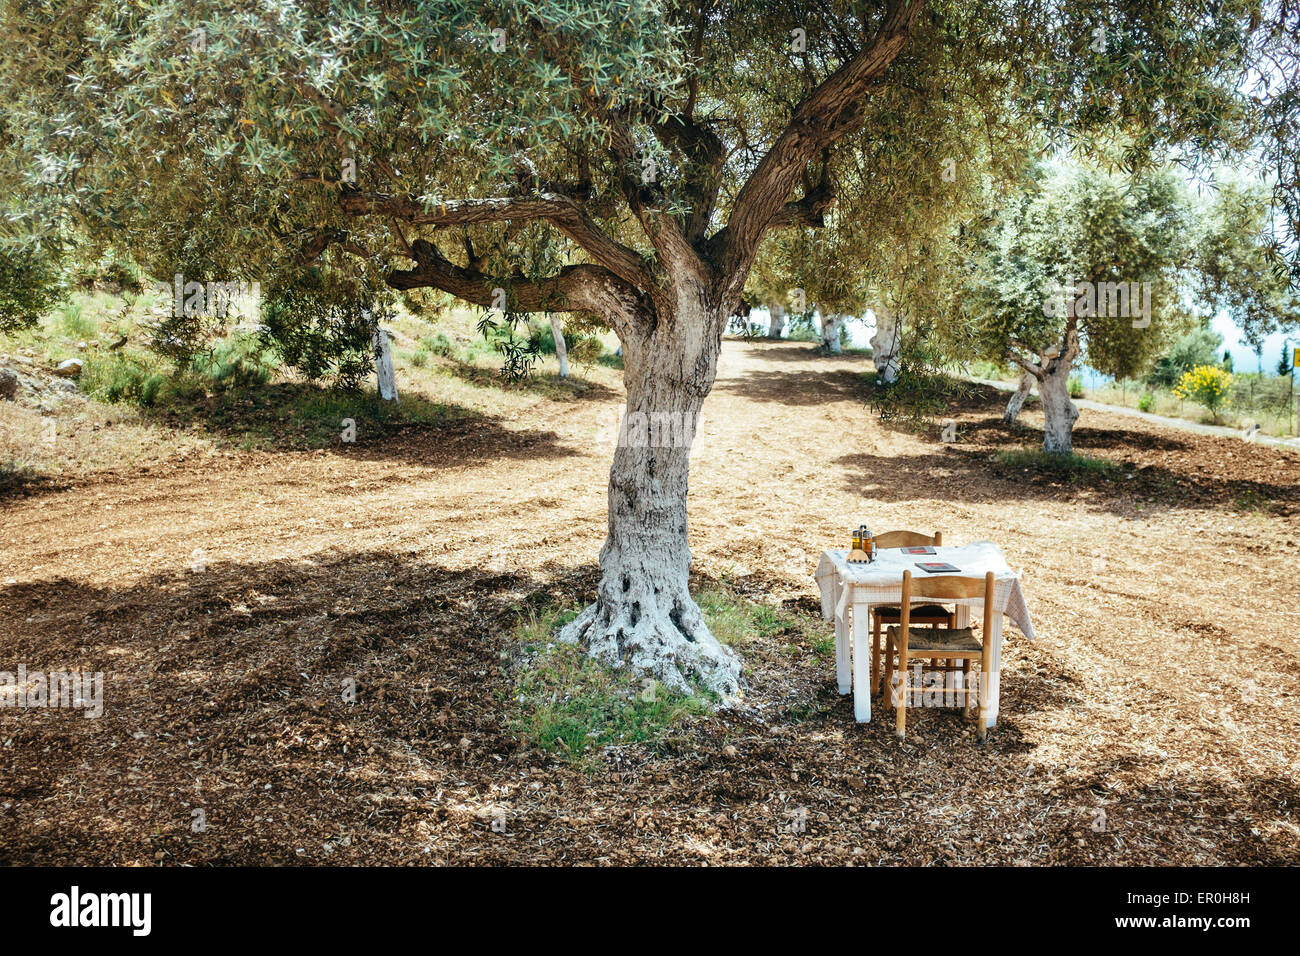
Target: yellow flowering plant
1206 385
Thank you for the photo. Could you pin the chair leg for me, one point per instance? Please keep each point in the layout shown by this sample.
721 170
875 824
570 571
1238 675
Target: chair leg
900 723
887 678
965 683
875 654
984 694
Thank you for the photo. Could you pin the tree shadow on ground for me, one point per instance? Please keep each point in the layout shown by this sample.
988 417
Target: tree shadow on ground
20 482
297 417
994 431
546 384
294 416
474 438
240 676
957 474
352 708
805 388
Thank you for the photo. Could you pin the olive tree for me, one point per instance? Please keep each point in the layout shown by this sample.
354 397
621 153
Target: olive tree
1239 269
657 142
1082 264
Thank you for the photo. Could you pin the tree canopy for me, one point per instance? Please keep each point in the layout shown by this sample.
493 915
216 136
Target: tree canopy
622 159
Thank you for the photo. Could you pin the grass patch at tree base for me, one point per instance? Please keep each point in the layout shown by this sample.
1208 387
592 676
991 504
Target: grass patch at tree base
1070 466
566 702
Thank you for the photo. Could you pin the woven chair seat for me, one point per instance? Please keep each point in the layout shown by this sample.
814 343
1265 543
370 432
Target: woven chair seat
957 639
892 612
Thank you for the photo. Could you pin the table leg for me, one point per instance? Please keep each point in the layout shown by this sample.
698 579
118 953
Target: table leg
862 661
995 668
842 666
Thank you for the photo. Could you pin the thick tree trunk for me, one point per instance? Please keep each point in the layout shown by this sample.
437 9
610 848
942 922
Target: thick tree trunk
1059 413
776 325
831 324
644 617
884 345
561 349
1017 401
387 378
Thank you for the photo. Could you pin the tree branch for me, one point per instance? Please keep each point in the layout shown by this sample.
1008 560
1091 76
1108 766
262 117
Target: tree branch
826 115
1035 370
577 288
663 231
808 211
562 212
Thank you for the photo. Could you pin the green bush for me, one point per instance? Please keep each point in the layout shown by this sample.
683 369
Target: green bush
1076 386
239 362
1146 402
437 344
122 378
31 284
321 326
1198 347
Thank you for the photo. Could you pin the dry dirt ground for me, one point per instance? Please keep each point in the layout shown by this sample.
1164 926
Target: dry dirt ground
228 594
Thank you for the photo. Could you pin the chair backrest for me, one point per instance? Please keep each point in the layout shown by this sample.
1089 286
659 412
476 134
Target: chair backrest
947 587
908 539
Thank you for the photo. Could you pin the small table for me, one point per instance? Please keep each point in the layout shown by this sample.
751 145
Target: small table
856 588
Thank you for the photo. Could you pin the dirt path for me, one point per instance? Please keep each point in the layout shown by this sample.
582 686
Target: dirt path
228 596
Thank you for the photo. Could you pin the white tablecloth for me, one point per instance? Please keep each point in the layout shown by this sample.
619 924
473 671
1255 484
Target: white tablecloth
849 591
881 581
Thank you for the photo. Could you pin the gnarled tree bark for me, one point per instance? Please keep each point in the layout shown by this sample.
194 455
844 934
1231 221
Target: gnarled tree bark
1017 400
669 309
644 616
776 324
561 349
884 345
832 322
1052 372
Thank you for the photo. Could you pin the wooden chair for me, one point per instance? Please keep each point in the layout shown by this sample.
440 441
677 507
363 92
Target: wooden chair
949 645
932 614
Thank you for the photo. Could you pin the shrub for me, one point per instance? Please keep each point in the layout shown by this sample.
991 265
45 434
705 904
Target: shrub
437 344
321 327
1206 385
1146 402
1076 386
240 362
1197 347
30 285
122 379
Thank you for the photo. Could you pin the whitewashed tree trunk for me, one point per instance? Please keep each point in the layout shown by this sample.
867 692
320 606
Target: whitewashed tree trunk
644 617
776 325
561 349
1017 401
884 345
831 324
1059 412
384 367
1052 372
